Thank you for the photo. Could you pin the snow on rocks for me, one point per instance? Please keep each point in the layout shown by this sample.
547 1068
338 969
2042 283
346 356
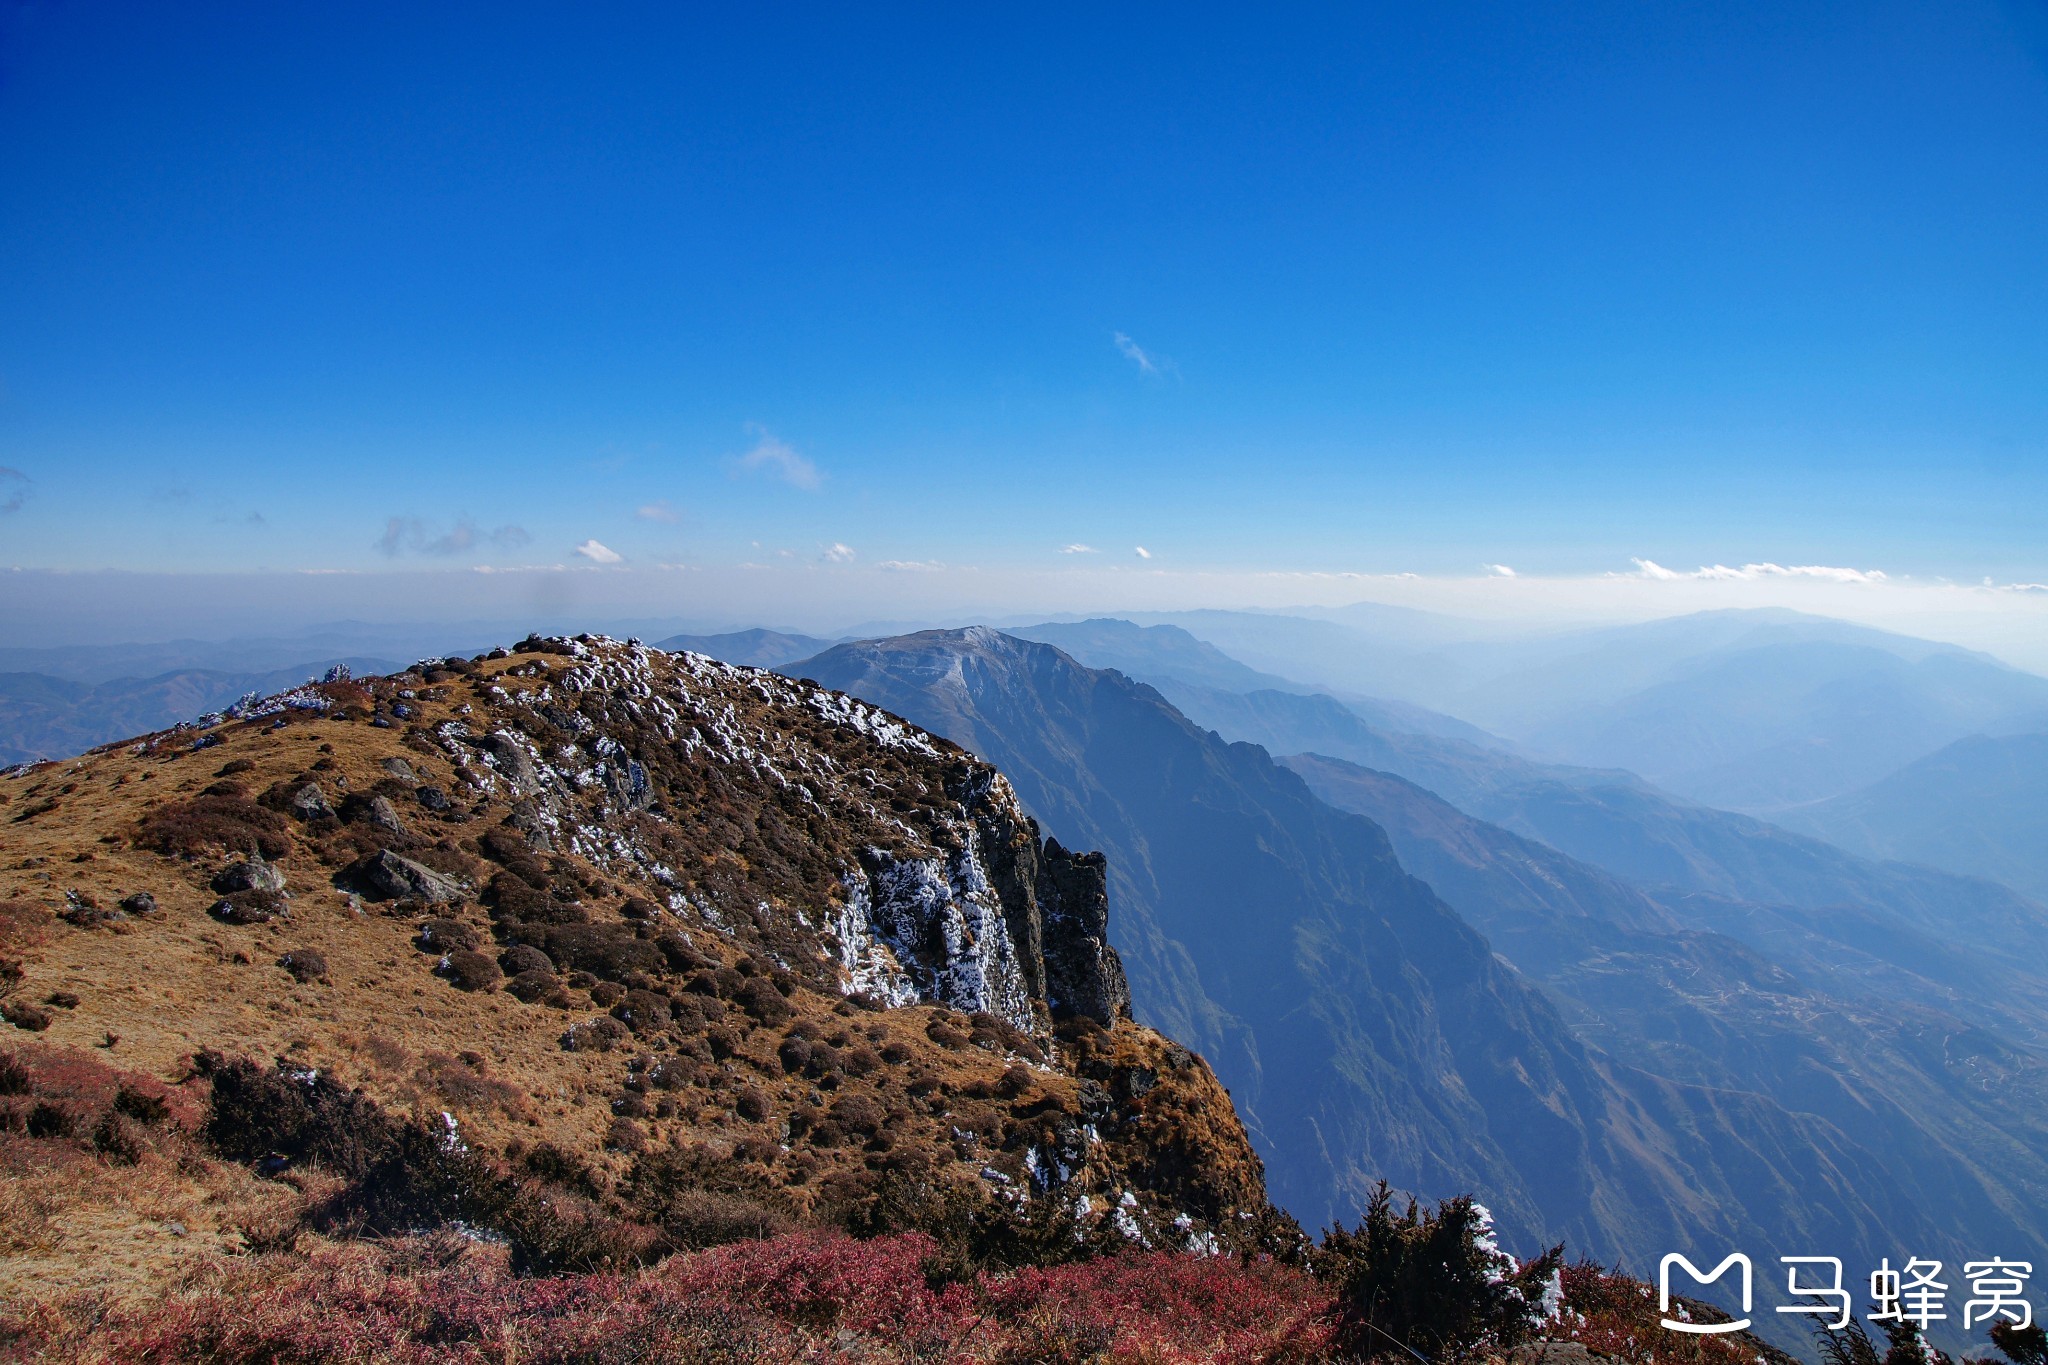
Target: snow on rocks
933 930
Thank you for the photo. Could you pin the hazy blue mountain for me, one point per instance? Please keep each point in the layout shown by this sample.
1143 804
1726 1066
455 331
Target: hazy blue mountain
1755 710
1169 656
1978 806
1780 724
1929 1096
755 648
1401 663
46 717
1953 943
1364 1028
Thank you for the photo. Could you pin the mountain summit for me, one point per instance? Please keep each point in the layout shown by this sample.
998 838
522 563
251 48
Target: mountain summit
682 946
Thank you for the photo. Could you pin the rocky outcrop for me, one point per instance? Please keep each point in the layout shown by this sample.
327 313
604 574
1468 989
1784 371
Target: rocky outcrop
945 892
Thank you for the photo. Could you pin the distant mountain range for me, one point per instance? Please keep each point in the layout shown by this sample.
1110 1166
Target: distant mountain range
1366 1029
50 717
1977 806
1750 710
1169 654
755 648
1945 941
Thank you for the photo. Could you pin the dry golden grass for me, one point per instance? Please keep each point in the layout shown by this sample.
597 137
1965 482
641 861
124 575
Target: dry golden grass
153 991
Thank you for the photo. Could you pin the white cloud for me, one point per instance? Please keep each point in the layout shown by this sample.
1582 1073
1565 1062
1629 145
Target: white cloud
598 554
658 510
1136 354
410 535
1141 552
1751 573
911 565
1079 549
1148 362
837 553
778 460
1500 571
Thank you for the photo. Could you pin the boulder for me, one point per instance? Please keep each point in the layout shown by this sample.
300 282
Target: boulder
385 876
141 903
400 769
310 803
433 798
383 815
248 874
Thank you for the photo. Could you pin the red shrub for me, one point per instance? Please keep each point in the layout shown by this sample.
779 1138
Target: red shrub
799 1297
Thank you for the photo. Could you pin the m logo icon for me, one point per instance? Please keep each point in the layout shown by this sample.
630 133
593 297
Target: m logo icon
1702 1328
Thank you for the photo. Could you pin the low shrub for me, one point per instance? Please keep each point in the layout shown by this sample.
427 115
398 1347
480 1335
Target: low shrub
206 823
304 964
522 957
300 1114
470 971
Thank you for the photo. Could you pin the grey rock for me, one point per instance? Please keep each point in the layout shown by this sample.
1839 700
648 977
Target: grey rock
250 874
400 769
525 816
383 815
141 903
385 876
512 760
310 803
1083 974
433 798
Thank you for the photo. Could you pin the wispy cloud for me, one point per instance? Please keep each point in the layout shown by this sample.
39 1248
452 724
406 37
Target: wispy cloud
1079 549
837 553
658 510
598 554
1750 573
14 487
2017 587
1500 571
778 460
410 535
1148 362
910 565
1141 552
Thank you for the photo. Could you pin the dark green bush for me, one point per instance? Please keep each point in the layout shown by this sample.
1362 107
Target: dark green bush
1431 1281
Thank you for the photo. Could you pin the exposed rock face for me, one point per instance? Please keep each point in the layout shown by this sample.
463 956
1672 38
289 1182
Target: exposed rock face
1083 973
946 892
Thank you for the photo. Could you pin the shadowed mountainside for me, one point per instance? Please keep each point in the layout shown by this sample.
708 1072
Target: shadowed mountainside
1365 1029
1957 944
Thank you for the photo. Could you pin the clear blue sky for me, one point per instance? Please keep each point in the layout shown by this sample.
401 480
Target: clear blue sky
1399 288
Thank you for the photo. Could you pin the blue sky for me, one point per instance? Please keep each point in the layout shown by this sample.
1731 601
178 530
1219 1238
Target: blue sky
1372 290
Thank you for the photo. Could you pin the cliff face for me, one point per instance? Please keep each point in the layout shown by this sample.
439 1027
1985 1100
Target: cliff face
673 924
946 894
